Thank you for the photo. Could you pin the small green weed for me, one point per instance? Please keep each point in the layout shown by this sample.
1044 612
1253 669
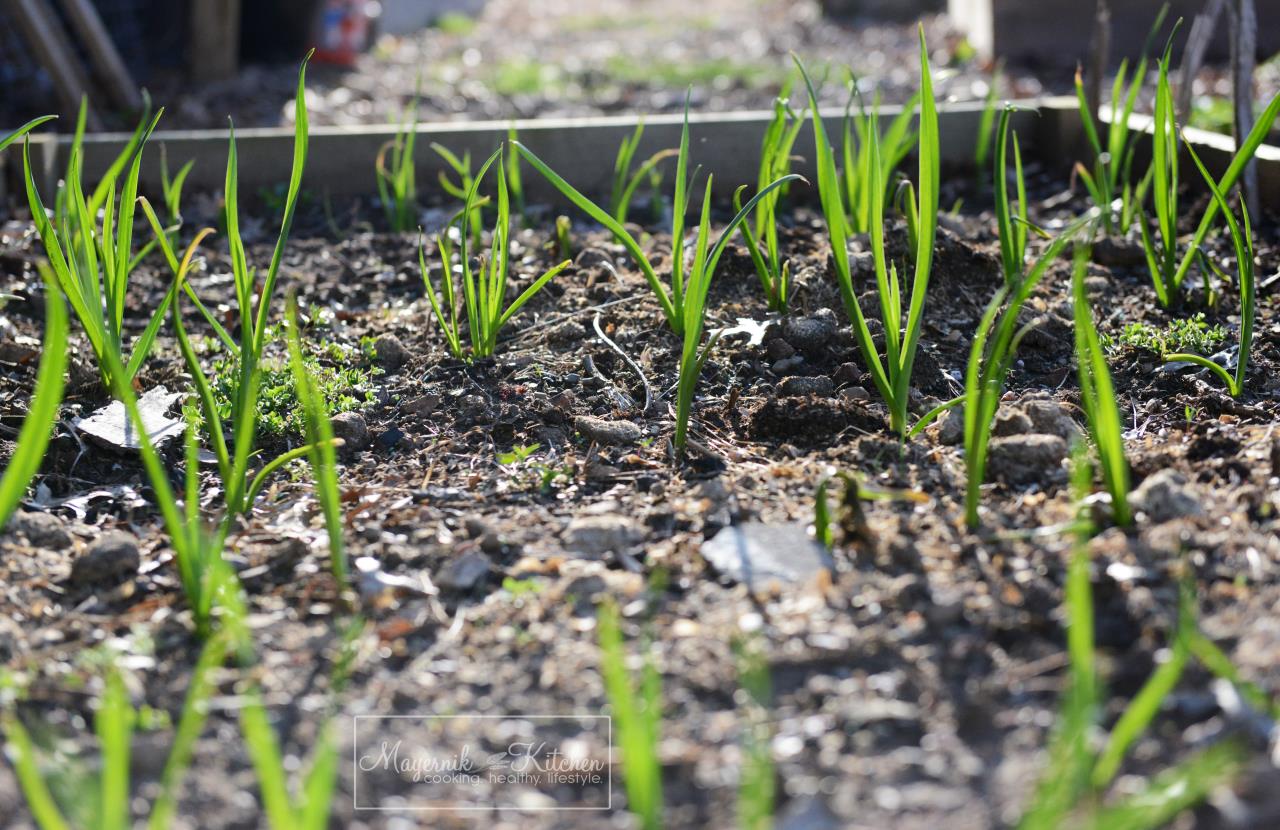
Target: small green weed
1189 334
342 376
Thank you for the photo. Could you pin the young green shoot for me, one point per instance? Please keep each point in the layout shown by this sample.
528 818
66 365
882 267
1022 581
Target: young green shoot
693 355
1242 239
637 717
1162 258
92 258
1072 785
995 346
254 301
757 789
1110 182
484 286
1098 395
893 145
982 147
564 237
463 186
114 723
761 234
42 414
892 376
1012 224
397 174
625 180
671 300
323 455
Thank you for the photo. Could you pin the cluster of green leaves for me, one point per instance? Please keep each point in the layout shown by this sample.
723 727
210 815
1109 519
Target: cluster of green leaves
105 804
1098 395
892 376
761 233
995 346
91 257
1011 224
1162 259
1078 775
484 286
859 129
1111 176
673 301
342 378
1181 334
397 174
1242 240
466 182
626 181
198 550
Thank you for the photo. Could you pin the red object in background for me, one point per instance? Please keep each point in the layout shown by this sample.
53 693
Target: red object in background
343 31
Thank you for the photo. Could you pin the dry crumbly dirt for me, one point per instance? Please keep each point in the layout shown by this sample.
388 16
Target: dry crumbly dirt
913 688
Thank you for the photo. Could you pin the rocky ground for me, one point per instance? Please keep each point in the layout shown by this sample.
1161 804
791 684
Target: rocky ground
916 668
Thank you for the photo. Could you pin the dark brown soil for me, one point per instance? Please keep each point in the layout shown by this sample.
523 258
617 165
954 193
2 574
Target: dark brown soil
914 688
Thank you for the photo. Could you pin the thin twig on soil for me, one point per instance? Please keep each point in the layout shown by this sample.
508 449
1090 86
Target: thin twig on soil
648 391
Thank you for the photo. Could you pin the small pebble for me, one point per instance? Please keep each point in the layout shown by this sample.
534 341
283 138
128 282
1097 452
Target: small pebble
608 432
42 530
112 557
353 430
802 386
390 352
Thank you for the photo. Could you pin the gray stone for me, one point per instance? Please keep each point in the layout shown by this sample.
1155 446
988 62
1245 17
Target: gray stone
1026 459
464 572
1051 418
1166 495
352 429
42 530
608 432
757 554
596 536
112 557
800 386
390 352
1011 422
779 349
811 334
951 427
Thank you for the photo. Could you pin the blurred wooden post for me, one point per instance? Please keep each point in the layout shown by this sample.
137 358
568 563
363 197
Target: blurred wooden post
102 51
215 39
1193 56
1100 53
1244 51
56 56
